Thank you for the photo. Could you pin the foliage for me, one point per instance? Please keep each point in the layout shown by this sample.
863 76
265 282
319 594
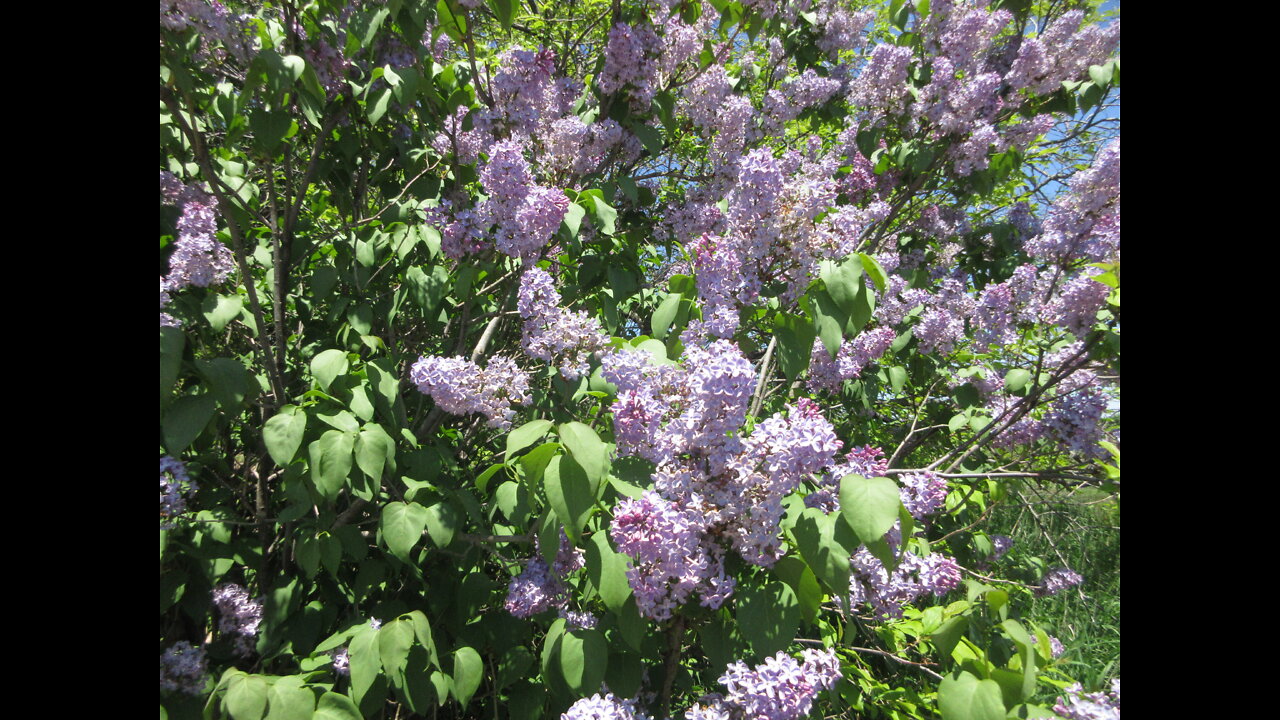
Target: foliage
646 358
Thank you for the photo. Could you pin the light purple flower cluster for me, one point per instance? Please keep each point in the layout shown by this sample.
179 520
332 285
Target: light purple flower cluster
881 87
631 62
671 561
828 374
175 487
1084 220
212 21
198 257
526 215
183 669
780 688
1057 580
783 104
841 29
1055 647
1075 307
523 87
888 592
1079 705
1000 545
460 387
553 333
607 707
342 662
1062 52
538 587
923 493
721 284
240 615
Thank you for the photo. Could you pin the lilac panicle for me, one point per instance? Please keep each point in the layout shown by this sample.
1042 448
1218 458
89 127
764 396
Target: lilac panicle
183 669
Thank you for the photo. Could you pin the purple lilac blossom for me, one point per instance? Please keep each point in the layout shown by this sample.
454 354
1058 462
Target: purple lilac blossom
607 707
342 662
923 494
1056 647
1084 220
175 487
552 333
1057 580
183 669
780 688
1079 705
239 614
1000 545
460 387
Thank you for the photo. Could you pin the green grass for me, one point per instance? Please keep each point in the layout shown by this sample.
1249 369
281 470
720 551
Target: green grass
1085 529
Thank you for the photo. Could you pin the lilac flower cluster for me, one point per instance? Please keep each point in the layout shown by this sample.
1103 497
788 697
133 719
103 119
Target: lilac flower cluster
888 592
881 87
460 387
1000 545
1055 647
783 104
526 215
1057 580
631 62
198 257
780 688
212 21
183 669
551 332
671 561
342 662
841 29
538 587
1084 220
604 708
923 493
175 487
1062 52
828 374
240 615
1079 705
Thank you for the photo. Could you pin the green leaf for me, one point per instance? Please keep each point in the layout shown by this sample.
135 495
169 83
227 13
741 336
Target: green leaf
289 699
828 558
524 436
869 505
505 11
897 378
796 574
283 434
665 315
948 635
584 658
365 664
331 462
607 571
650 137
962 696
569 493
795 335
443 521
843 281
573 219
220 310
246 697
1016 379
427 290
402 526
829 320
603 214
394 640
423 629
186 418
588 450
1100 74
374 450
171 343
768 616
874 271
468 669
327 366
333 706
